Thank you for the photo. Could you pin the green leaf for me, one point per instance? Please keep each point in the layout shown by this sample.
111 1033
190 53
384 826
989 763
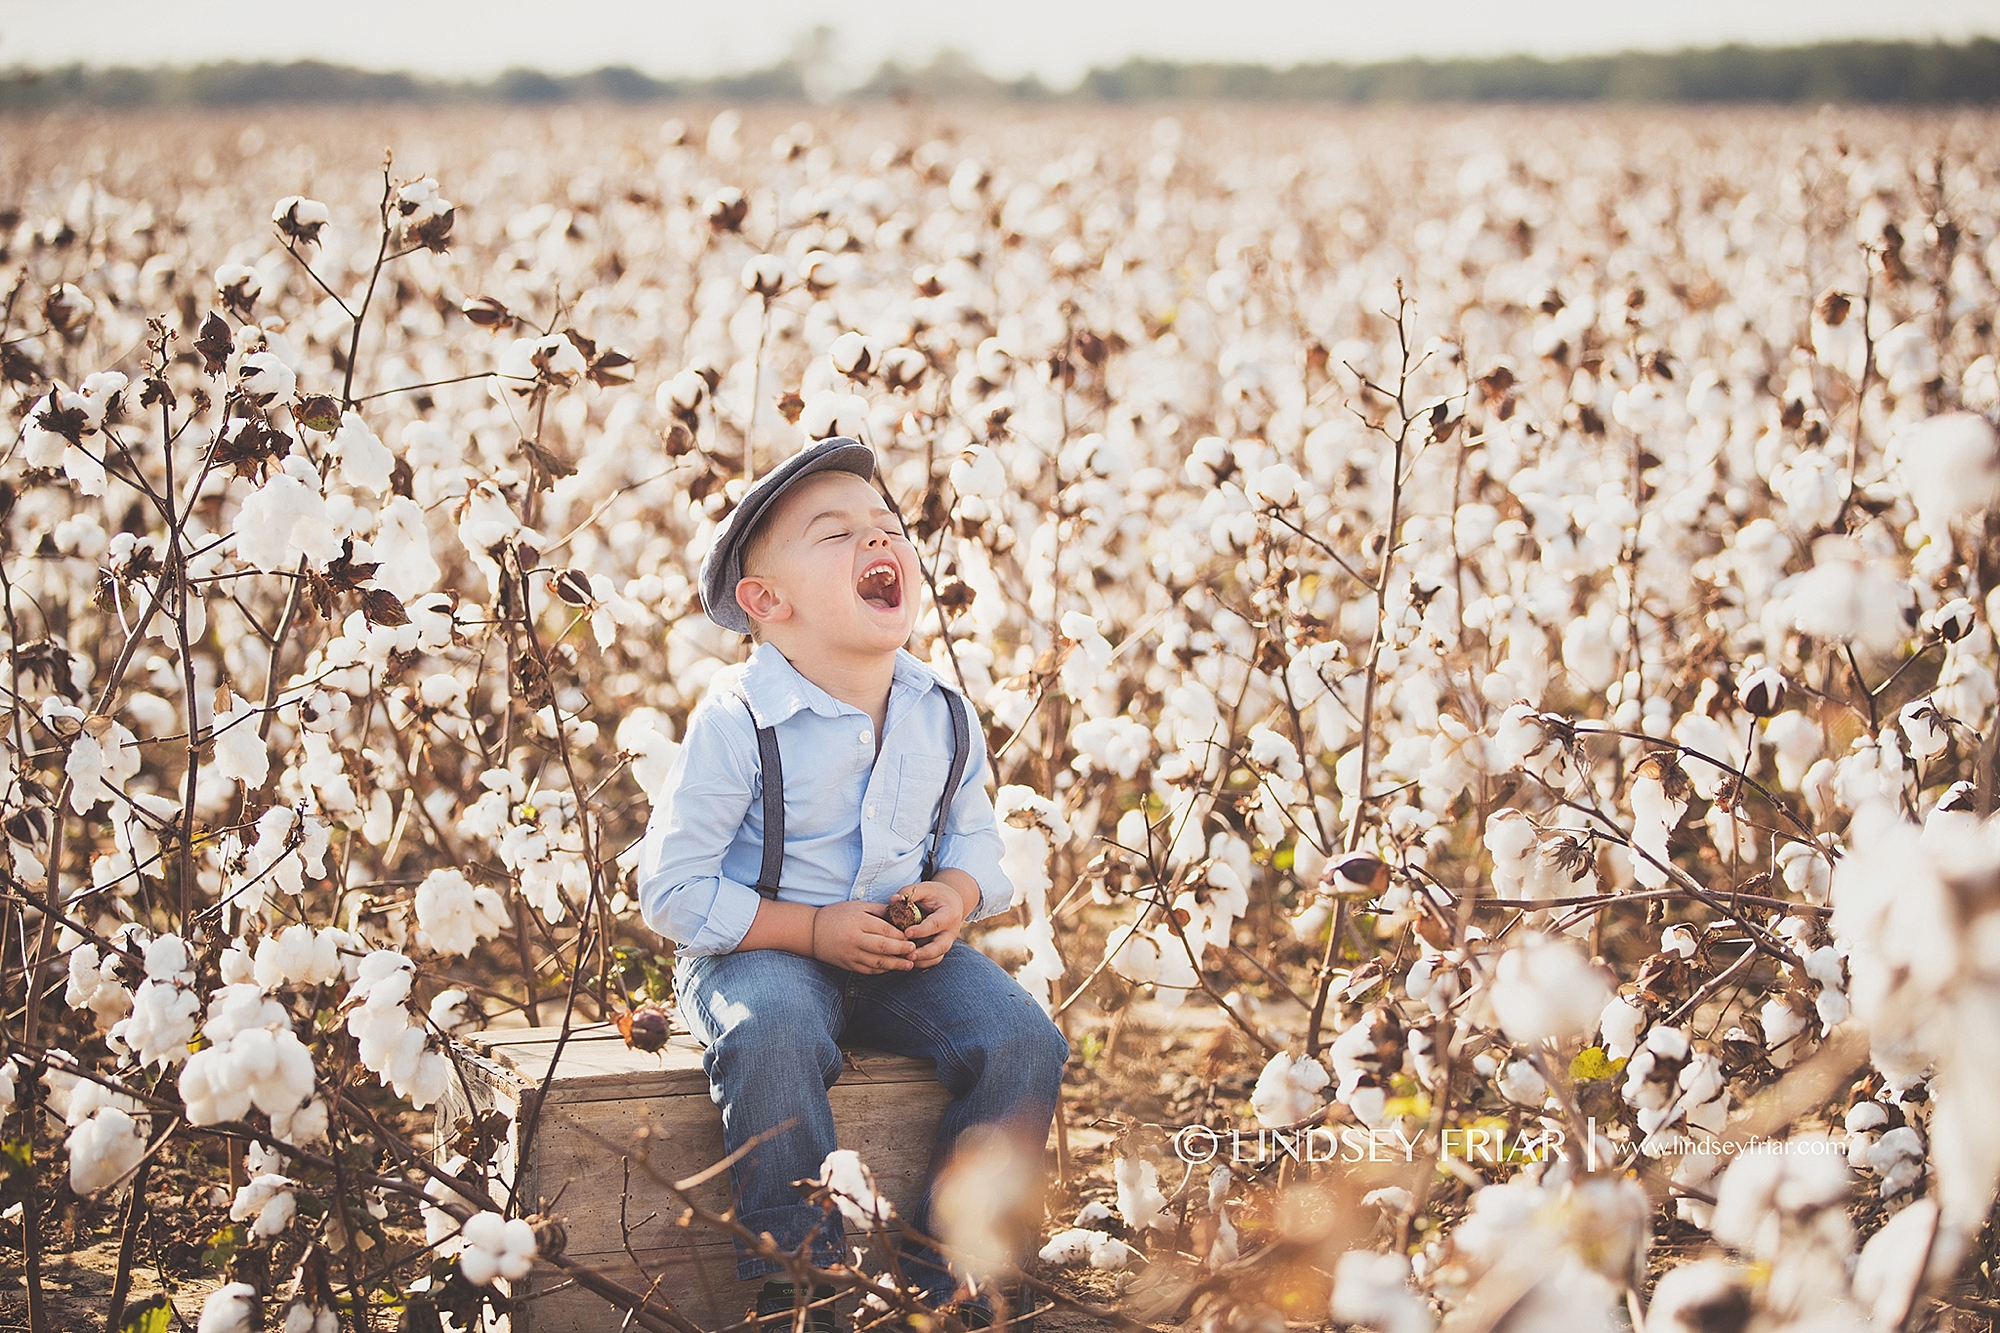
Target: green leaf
1283 858
1591 1063
155 1314
20 1154
222 1246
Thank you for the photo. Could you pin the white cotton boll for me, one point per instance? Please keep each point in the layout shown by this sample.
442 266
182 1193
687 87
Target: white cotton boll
295 956
647 735
1223 1250
1140 1202
1925 729
402 544
287 518
1274 487
1374 1289
496 1247
94 984
1865 1116
448 1012
853 1187
161 1023
1689 1296
365 462
1950 465
1111 744
1796 739
1084 1245
301 1316
1654 818
241 755
1813 487
1621 1022
1898 1159
454 915
104 1148
266 380
979 472
268 1199
229 1309
238 284
1521 1083
1288 1090
1547 990
1847 597
1784 1031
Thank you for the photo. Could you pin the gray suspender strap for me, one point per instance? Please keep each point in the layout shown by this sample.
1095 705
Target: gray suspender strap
960 744
773 768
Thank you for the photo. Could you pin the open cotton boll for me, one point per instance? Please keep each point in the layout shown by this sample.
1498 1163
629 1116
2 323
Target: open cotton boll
853 1188
454 915
1288 1090
1084 1245
229 1309
1374 1289
496 1247
1546 990
1950 465
104 1148
269 1200
365 462
1140 1203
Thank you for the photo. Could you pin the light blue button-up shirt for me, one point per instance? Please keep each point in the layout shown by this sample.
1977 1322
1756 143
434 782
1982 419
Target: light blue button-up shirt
857 822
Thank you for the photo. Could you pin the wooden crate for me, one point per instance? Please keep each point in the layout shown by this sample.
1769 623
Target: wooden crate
610 1112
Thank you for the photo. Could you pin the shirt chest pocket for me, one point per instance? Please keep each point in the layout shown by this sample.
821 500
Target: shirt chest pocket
919 788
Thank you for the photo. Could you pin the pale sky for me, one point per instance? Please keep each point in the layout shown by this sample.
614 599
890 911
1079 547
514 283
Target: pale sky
1057 39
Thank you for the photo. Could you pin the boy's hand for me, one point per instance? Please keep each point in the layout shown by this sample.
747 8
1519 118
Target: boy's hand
857 936
944 912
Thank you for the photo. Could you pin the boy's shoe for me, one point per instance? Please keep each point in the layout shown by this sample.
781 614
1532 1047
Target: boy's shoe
780 1298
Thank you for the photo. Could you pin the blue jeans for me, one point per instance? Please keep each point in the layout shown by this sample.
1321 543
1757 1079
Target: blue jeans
772 1022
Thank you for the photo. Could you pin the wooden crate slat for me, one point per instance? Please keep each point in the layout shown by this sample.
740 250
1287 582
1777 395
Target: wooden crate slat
599 1065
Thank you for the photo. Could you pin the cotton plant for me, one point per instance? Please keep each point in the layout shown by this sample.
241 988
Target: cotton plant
1215 599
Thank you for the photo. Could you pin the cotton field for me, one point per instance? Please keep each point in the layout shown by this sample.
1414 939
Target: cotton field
1489 611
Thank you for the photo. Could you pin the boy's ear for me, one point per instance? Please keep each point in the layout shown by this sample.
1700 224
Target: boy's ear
761 600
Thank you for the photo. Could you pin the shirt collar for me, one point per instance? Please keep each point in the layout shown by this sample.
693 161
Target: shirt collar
776 690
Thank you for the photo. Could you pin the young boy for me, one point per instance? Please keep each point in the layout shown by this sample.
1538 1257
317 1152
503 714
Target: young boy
785 943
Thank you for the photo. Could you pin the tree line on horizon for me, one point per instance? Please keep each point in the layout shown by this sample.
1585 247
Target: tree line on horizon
1879 72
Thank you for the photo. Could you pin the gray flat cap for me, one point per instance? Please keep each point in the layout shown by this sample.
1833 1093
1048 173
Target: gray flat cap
722 567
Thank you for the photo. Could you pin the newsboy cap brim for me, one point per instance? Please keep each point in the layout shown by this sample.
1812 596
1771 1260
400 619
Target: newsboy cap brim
722 567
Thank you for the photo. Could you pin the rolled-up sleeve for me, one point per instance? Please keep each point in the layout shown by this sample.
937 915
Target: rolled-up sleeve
972 836
683 893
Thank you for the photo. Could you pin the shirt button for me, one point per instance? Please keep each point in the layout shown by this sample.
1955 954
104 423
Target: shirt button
869 811
864 738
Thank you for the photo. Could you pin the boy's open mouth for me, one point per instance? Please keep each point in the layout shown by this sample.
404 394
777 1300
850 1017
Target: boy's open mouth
881 586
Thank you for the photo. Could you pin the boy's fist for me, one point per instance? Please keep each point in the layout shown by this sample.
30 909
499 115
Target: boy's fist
936 910
856 935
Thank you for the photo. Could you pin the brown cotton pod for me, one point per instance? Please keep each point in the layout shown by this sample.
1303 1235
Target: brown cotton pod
904 912
645 1028
1355 873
